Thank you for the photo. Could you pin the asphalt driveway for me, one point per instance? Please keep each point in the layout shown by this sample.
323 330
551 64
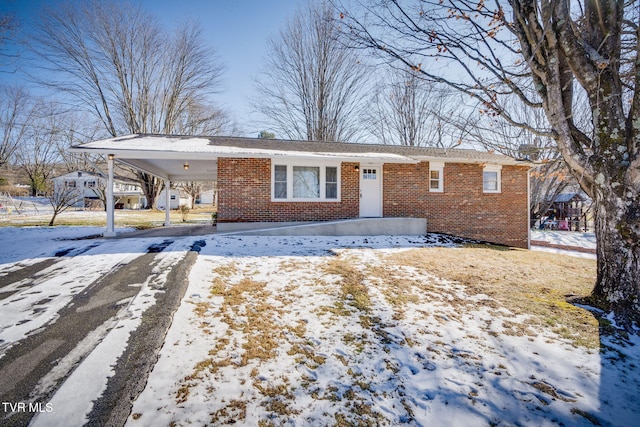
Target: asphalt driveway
33 369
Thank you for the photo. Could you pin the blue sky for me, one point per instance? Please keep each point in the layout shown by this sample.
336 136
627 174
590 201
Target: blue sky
237 29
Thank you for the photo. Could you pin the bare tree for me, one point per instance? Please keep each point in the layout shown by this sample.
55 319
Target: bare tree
8 28
78 128
38 155
311 87
118 63
60 199
543 53
551 177
407 110
16 112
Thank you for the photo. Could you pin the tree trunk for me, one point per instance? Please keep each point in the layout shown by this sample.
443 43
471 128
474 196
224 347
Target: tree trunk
618 248
151 187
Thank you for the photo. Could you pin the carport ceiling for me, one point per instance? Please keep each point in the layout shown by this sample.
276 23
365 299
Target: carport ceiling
174 170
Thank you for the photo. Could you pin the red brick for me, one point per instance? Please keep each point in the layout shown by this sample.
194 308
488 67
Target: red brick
462 209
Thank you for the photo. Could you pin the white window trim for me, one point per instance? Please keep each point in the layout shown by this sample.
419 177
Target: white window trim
290 163
437 166
498 170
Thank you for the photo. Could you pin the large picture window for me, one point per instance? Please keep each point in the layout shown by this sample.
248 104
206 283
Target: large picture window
306 182
297 181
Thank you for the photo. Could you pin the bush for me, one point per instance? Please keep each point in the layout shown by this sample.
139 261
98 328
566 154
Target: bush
184 211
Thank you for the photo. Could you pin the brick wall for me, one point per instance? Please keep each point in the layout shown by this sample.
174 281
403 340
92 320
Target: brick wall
462 209
244 195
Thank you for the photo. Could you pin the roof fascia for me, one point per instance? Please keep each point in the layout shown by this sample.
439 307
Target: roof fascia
506 162
147 154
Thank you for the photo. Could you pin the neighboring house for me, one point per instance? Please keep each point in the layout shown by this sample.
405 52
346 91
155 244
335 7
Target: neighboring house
90 188
177 198
128 195
467 193
206 197
87 186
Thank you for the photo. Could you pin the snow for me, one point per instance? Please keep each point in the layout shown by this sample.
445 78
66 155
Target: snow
72 407
565 239
201 146
430 363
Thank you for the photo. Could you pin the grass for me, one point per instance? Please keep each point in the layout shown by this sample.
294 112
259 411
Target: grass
123 218
352 287
528 292
537 284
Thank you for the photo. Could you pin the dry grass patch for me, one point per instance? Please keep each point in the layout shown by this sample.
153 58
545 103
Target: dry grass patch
306 355
524 282
243 309
352 288
279 399
236 410
141 219
226 270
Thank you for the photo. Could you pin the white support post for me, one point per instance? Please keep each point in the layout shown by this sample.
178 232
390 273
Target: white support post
110 232
167 202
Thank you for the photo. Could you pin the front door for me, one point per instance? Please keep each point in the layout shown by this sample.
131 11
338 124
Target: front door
370 192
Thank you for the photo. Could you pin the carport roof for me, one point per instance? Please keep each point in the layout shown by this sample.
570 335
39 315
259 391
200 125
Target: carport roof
165 155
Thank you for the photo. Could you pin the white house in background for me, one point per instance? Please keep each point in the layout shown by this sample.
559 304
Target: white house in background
178 198
91 187
128 195
206 197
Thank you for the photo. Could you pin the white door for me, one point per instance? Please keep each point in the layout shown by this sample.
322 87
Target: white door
370 192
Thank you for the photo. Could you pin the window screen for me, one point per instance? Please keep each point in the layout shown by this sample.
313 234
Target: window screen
280 182
331 185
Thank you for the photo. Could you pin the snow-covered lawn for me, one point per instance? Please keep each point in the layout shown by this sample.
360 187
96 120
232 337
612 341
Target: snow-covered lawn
325 331
349 331
564 239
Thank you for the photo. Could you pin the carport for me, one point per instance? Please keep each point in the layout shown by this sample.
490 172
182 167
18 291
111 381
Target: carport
170 162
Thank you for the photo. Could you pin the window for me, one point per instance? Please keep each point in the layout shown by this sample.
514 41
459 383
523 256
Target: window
369 173
90 184
70 184
305 181
280 182
331 184
491 179
436 175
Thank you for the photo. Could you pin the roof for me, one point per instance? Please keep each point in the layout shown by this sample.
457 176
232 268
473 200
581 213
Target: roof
194 158
225 146
89 175
77 174
567 197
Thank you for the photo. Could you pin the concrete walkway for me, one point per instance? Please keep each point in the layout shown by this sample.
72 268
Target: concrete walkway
170 231
347 227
